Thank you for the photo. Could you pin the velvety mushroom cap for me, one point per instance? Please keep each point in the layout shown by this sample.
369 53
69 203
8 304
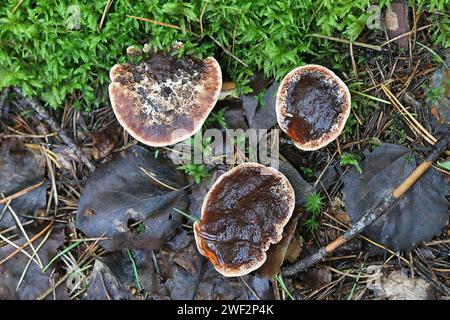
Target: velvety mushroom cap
312 106
164 100
244 212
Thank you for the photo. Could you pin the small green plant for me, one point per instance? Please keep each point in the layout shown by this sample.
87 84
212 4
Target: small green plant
444 165
308 172
196 171
216 119
140 228
434 94
350 159
314 204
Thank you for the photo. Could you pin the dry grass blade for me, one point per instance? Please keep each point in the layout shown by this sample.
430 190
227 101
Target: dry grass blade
19 249
153 177
415 125
22 229
105 12
21 192
356 43
22 276
158 23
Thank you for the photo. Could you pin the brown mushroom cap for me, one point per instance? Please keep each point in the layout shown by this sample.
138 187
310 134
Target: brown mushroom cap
164 100
312 106
244 212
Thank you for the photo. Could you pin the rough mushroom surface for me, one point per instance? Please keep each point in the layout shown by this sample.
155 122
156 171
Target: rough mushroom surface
163 100
243 213
312 106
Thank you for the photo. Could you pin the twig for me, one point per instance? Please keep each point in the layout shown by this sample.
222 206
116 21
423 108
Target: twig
105 12
356 43
43 115
228 52
371 216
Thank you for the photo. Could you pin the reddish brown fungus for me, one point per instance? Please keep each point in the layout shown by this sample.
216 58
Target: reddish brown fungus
243 213
312 106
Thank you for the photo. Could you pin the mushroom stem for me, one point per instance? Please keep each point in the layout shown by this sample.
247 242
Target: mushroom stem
373 215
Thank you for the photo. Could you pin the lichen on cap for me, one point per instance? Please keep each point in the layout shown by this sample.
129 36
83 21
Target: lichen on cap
312 106
244 212
163 100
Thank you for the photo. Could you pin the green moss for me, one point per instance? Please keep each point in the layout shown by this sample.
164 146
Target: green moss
43 51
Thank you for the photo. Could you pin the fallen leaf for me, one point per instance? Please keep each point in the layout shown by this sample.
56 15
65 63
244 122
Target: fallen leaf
265 115
35 281
19 169
317 277
418 216
188 275
114 277
105 141
199 192
277 252
104 285
131 209
398 286
301 188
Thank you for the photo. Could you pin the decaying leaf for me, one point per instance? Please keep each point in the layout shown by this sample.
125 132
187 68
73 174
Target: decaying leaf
277 252
35 281
133 210
105 141
199 192
188 275
19 169
104 285
398 286
265 115
301 188
114 277
418 216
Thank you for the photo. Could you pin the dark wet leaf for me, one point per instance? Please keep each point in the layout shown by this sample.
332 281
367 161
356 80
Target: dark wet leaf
317 277
190 276
35 282
265 116
199 192
277 252
249 103
20 168
418 216
104 285
235 117
123 203
301 188
113 276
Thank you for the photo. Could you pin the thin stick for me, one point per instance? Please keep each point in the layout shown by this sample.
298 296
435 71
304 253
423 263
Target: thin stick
43 115
228 52
356 43
371 216
105 12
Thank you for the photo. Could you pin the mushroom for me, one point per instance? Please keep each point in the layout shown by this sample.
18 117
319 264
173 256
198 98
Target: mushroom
312 106
163 100
244 212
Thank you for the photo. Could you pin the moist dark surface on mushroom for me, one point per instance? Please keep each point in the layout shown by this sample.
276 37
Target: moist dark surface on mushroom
313 105
242 216
161 94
